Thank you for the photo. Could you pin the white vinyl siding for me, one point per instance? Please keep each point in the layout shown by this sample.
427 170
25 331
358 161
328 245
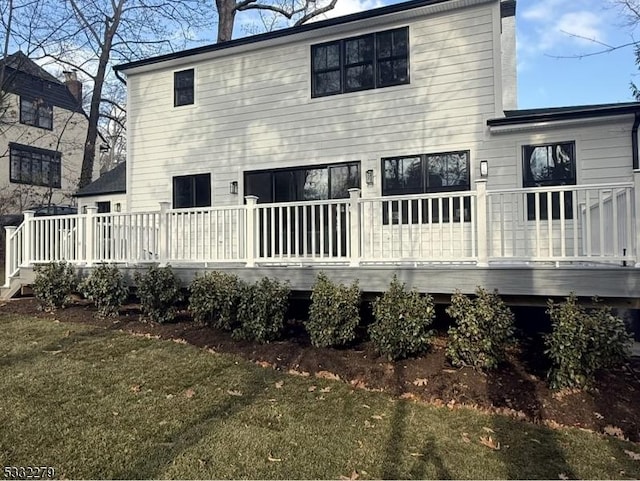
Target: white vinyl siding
255 111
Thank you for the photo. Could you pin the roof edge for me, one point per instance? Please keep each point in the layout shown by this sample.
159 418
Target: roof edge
307 27
95 194
565 113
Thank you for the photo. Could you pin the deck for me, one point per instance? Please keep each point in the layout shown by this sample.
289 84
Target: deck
541 242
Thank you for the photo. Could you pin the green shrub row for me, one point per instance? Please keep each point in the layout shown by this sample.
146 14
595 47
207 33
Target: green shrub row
582 340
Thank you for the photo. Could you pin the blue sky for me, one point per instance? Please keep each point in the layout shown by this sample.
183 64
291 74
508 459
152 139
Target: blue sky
547 31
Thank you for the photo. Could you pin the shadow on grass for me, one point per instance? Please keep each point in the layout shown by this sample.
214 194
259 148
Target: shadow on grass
393 454
526 452
152 463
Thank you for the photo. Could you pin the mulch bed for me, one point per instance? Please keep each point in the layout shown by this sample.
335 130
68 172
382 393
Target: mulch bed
517 389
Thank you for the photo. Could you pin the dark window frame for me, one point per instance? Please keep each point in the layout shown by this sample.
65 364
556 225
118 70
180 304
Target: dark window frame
425 187
35 154
41 109
179 89
328 167
569 177
193 201
375 61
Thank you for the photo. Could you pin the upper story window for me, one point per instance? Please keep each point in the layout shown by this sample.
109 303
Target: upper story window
192 191
426 173
551 164
33 166
183 88
36 112
359 63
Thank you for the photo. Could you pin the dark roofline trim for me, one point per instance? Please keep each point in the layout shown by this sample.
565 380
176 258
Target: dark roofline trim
96 194
354 17
579 112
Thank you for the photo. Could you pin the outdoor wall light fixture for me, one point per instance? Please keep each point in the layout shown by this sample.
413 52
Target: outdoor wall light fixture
233 187
484 168
369 177
117 207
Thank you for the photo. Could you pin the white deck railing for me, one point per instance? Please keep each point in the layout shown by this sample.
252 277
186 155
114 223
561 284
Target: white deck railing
560 224
571 224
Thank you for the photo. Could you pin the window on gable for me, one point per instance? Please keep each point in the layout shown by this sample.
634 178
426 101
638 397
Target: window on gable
183 88
192 191
359 63
33 166
36 112
426 174
546 165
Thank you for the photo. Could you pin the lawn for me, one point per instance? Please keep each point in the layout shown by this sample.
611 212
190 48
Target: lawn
97 403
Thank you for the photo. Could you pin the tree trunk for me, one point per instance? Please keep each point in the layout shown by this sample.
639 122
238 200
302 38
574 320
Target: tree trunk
226 18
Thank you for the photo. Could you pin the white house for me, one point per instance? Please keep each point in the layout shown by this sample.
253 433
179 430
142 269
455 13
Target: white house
383 141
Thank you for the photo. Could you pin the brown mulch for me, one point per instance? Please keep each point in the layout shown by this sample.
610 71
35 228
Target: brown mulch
517 389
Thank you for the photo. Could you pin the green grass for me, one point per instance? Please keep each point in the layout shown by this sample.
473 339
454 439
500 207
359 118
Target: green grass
95 403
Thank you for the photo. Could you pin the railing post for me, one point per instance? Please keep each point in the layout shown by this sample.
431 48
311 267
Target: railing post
636 195
9 231
89 233
163 227
250 231
354 227
481 222
27 237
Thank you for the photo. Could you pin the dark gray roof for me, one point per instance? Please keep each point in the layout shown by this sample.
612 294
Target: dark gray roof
112 182
26 78
527 116
508 8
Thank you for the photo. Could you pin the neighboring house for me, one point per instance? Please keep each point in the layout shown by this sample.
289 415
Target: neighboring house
107 193
42 133
379 142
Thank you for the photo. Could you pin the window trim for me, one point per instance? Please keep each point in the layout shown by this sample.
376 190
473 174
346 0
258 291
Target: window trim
176 73
375 61
55 161
529 212
328 167
193 195
43 104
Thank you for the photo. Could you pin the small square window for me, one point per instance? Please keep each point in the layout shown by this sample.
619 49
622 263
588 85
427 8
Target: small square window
183 88
192 191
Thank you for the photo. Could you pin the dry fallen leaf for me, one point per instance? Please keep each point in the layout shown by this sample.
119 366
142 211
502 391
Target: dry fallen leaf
377 417
632 455
598 415
489 430
407 395
189 393
358 383
232 392
273 460
327 375
449 371
325 389
416 455
264 364
420 382
366 406
465 437
311 388
179 341
563 476
354 475
367 424
489 442
135 388
613 431
298 373
279 384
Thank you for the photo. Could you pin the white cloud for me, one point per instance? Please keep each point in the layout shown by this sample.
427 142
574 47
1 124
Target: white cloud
346 7
542 10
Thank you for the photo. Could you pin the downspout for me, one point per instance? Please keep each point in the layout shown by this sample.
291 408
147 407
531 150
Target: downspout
634 142
124 81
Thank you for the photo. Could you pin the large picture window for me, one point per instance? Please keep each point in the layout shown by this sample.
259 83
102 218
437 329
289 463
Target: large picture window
426 173
36 112
300 184
192 191
33 166
183 88
546 165
359 63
